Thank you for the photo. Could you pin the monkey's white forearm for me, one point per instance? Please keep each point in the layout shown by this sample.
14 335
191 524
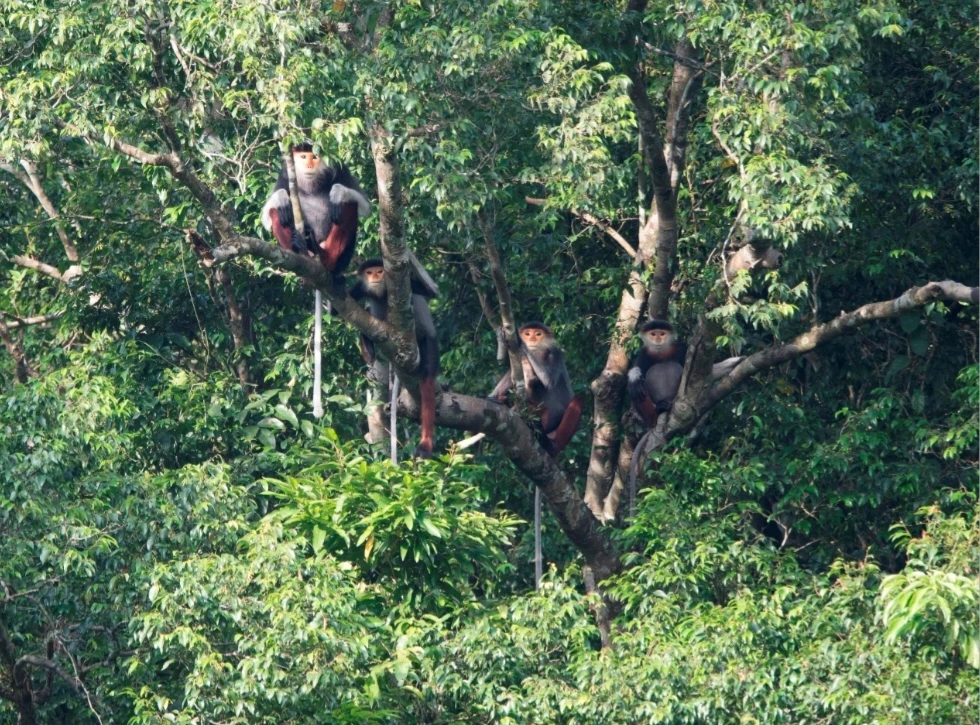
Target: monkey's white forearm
276 199
340 194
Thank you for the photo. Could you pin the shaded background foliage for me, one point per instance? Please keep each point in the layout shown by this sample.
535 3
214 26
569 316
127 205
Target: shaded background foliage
182 547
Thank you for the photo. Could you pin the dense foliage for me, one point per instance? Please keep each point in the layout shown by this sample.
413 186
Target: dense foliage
182 541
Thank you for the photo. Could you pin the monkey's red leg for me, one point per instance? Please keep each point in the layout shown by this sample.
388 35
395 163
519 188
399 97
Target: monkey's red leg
427 393
647 411
560 436
282 233
341 237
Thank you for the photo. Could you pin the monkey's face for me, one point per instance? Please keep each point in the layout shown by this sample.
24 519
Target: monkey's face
307 163
535 337
374 279
659 341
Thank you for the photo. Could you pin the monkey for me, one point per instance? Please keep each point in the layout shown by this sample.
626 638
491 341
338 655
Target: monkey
655 376
370 285
549 388
331 201
653 382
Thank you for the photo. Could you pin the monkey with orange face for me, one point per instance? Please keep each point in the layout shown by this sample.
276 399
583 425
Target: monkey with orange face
371 286
548 386
331 202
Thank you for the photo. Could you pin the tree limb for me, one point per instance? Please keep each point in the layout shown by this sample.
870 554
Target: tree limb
506 305
818 335
595 221
38 320
38 266
518 442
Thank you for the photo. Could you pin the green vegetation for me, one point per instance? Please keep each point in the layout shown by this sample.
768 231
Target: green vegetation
181 541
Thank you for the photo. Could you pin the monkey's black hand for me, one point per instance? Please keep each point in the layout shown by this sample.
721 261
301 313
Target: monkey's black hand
297 243
285 211
637 389
336 212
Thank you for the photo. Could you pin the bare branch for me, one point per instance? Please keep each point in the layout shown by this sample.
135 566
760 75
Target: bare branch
71 252
38 266
822 334
594 221
38 320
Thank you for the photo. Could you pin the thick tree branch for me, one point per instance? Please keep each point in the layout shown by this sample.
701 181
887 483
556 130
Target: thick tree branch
507 322
36 320
519 444
818 335
38 266
663 212
392 227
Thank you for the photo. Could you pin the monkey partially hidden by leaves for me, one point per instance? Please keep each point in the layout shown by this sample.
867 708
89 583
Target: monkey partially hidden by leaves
548 386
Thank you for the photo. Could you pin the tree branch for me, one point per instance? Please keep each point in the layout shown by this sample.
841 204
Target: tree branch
38 266
221 218
519 444
595 221
29 321
507 322
818 335
71 252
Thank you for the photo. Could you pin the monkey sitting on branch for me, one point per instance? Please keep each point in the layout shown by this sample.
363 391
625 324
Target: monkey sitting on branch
548 386
653 382
655 376
330 200
371 286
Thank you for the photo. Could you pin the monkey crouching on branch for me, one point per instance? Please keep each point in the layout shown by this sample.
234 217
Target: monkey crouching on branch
331 202
548 386
371 286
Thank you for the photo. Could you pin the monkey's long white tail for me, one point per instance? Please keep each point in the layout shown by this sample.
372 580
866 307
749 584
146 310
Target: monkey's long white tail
538 559
394 414
317 368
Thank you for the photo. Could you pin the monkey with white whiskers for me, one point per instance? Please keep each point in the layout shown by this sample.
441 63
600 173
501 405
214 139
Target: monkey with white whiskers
548 386
371 286
331 201
654 379
655 375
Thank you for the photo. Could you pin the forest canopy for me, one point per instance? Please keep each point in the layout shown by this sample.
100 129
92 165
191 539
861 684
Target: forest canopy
793 536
